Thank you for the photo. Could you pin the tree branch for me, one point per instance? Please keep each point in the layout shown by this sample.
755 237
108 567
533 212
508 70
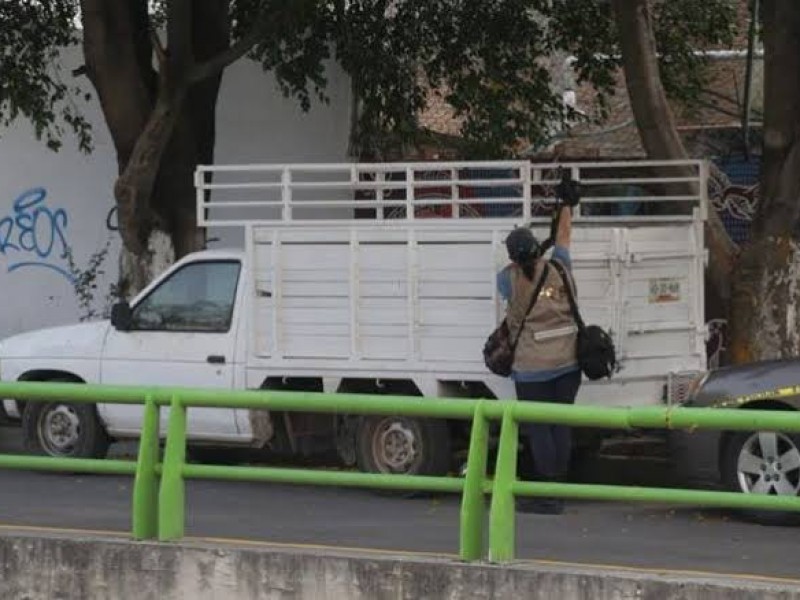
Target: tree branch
654 118
160 51
716 108
179 35
227 57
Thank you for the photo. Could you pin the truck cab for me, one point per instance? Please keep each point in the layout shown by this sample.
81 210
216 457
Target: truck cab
182 330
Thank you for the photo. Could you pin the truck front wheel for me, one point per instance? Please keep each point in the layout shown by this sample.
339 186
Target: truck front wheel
64 430
763 462
405 445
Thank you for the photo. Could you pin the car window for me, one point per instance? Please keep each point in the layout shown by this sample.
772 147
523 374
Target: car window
197 297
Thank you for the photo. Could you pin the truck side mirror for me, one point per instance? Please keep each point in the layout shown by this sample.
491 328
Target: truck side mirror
121 316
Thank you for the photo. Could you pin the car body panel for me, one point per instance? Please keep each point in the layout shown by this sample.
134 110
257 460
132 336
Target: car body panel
76 348
736 386
82 341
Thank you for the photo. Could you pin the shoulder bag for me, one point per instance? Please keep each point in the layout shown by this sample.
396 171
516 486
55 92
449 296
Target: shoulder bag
597 356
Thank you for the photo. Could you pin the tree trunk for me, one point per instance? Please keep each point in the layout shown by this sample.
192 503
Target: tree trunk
161 126
195 136
647 97
118 55
766 307
660 138
146 233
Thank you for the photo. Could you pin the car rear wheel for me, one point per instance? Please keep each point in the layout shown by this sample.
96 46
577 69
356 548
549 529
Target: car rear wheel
403 445
763 462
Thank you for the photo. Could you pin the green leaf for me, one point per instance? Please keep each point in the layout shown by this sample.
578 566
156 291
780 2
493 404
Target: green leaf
31 37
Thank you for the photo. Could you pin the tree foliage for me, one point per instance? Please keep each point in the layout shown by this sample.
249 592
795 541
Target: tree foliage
683 29
31 84
487 59
483 58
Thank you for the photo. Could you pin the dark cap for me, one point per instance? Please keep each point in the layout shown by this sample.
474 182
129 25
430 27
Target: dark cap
521 244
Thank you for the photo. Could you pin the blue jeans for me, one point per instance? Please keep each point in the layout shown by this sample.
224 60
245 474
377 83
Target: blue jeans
551 445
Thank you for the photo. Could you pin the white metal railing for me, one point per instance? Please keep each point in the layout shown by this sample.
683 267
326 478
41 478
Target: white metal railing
472 191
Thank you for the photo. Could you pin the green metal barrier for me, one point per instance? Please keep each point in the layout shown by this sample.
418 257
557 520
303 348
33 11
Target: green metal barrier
159 488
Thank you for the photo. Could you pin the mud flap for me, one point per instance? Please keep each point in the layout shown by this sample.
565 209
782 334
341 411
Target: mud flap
346 428
261 426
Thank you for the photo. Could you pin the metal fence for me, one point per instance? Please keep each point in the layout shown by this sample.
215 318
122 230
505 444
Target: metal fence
158 510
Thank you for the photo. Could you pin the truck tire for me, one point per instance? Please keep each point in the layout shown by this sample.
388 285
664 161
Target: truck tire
64 430
405 445
763 462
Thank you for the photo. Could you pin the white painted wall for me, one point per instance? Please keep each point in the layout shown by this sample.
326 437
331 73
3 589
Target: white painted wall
255 123
35 285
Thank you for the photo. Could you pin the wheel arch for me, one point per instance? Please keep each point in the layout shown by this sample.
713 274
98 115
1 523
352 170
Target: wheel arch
43 375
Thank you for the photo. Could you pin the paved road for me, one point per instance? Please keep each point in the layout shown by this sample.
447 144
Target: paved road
643 536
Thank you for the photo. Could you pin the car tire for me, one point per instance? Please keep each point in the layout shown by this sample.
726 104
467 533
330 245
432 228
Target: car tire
763 462
64 430
407 445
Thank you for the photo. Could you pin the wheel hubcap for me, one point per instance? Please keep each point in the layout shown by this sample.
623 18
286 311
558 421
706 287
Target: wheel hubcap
395 446
59 429
769 463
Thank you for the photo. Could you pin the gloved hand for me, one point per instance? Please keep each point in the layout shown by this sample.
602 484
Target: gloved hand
568 191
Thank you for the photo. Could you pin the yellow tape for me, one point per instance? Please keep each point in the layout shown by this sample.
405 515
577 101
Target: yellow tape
783 392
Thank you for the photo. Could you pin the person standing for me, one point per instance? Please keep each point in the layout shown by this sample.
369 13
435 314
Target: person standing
545 365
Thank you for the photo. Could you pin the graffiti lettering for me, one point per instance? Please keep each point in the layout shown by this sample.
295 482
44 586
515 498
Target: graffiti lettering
35 234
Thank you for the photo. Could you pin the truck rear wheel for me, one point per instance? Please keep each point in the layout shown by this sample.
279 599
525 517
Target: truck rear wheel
763 462
405 445
64 430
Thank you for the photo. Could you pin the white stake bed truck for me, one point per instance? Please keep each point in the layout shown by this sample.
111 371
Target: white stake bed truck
380 278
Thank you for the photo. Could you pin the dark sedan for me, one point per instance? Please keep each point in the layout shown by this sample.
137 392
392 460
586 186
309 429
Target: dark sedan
765 462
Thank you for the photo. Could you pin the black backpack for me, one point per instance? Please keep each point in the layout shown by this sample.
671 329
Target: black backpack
597 356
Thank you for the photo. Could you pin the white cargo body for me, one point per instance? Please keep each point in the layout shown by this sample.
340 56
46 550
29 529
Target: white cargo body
387 271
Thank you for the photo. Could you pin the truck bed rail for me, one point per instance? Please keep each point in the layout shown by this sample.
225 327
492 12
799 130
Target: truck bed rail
399 194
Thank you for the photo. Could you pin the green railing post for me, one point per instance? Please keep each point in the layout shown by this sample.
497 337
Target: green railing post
501 515
473 505
171 497
145 483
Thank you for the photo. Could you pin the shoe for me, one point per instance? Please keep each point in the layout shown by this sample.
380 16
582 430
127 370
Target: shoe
541 506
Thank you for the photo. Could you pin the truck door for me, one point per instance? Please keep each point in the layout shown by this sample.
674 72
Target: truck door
183 333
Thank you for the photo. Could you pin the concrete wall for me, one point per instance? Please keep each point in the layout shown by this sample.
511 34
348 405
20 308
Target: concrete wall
69 194
51 568
72 193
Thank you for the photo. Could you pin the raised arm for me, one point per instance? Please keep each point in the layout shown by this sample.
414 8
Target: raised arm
564 231
568 192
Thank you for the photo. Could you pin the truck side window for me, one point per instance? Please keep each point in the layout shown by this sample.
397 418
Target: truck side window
198 297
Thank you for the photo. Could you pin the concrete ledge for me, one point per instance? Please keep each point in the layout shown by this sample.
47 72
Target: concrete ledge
64 567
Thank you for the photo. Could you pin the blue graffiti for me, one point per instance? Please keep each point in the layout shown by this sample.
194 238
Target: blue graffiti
34 235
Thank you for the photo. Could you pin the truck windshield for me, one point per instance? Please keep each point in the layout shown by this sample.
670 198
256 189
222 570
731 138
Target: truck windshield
198 297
